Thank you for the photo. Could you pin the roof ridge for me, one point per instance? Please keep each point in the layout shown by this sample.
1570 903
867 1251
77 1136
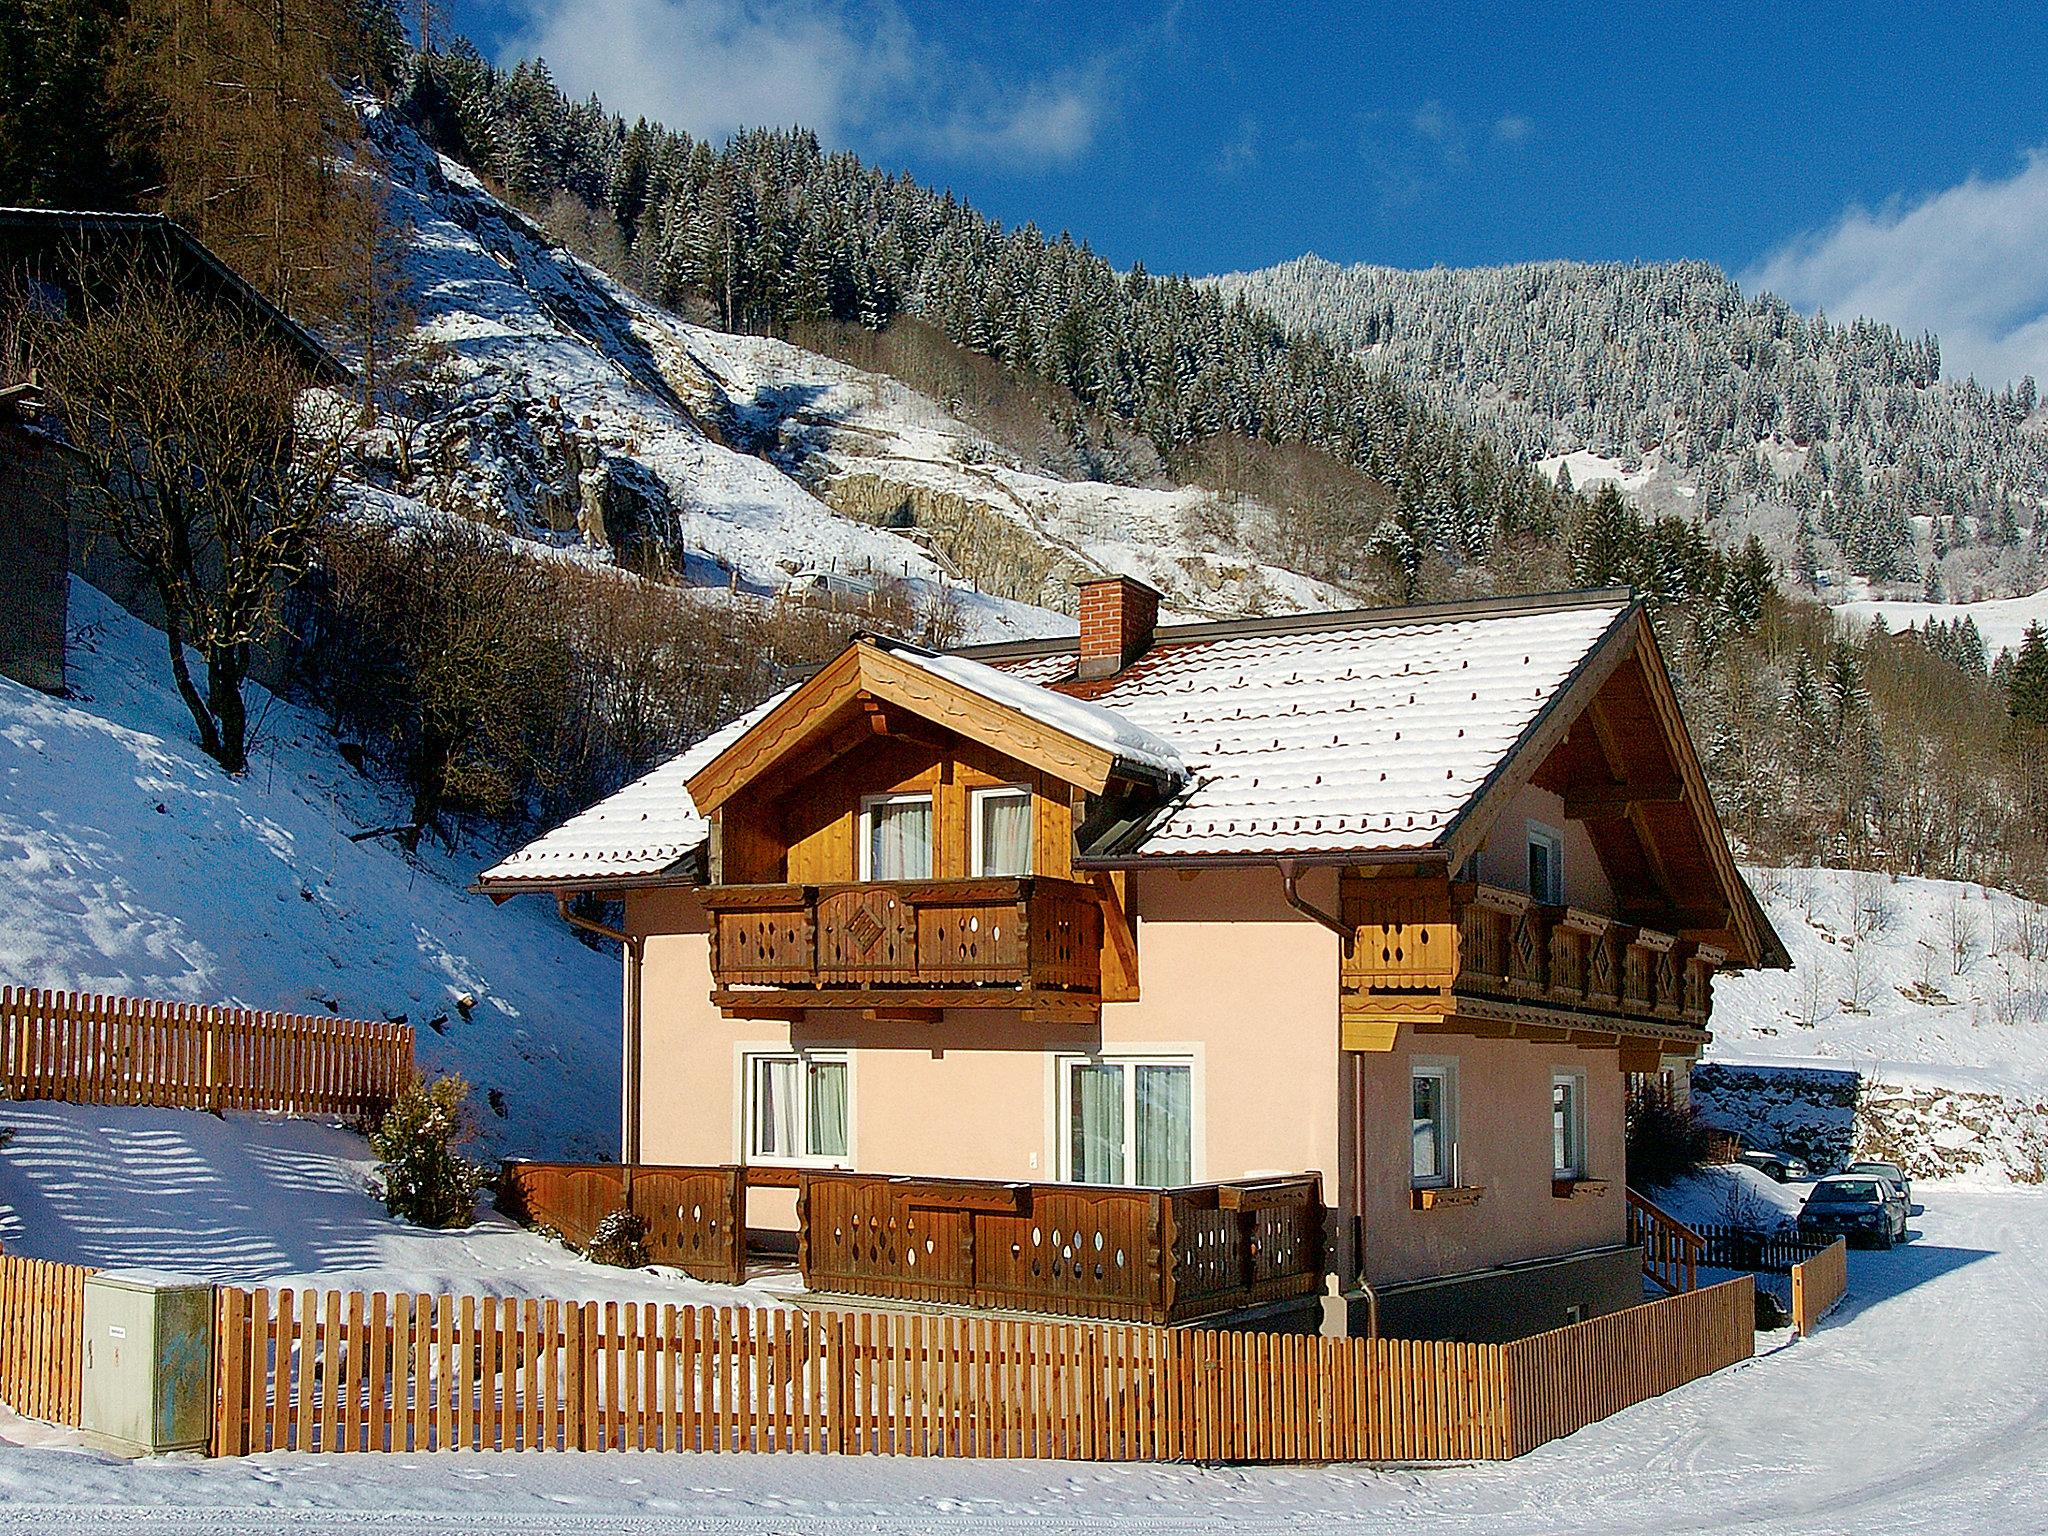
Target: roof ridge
1335 619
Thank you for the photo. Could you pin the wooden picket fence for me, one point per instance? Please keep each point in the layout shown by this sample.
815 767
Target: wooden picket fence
42 1323
1818 1283
337 1372
89 1049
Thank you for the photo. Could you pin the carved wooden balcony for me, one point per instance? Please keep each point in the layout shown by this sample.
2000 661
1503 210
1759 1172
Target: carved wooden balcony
1428 951
906 947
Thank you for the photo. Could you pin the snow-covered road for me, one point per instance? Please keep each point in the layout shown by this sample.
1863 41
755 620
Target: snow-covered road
1921 1407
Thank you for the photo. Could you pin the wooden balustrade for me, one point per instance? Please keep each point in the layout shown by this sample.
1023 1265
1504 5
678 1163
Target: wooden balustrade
974 941
1138 1255
1672 1251
1480 941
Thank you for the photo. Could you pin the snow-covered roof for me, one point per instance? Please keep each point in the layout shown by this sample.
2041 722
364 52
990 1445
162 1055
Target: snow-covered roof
1138 752
1356 733
643 830
1363 735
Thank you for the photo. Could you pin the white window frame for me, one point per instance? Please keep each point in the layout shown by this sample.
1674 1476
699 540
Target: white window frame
1575 1080
1445 1072
867 825
1063 1101
750 1058
975 800
1552 841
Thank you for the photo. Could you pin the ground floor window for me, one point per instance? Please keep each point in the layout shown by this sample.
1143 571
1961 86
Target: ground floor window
796 1109
1568 1125
1128 1121
1433 1133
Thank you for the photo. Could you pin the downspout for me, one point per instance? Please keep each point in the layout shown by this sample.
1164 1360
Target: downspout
635 946
1290 886
1290 873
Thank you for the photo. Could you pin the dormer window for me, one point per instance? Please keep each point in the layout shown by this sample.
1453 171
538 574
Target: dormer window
1001 832
1546 864
896 841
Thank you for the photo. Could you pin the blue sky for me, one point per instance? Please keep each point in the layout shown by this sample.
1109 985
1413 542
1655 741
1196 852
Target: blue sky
1878 158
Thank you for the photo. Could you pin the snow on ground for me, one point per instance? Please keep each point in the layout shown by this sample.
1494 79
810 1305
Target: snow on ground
1913 1024
1920 1407
2002 621
264 1200
1913 978
130 864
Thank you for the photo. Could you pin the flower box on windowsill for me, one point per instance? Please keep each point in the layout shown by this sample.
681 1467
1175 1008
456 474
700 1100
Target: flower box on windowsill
1571 1189
1446 1196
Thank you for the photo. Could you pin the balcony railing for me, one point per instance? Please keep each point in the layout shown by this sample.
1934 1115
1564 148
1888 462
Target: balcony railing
970 941
1514 949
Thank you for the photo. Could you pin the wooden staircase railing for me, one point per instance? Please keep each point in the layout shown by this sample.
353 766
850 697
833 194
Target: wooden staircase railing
1671 1250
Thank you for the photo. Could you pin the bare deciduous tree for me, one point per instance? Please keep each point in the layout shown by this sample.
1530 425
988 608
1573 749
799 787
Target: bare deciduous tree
204 462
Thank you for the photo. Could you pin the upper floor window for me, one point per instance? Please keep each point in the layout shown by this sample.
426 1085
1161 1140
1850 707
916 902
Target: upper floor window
1001 833
1546 864
896 840
796 1107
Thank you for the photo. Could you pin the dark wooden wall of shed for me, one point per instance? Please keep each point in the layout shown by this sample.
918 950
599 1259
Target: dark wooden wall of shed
35 569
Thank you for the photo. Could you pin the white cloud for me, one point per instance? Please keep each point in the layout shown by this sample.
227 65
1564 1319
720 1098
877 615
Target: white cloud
1513 128
1969 263
853 70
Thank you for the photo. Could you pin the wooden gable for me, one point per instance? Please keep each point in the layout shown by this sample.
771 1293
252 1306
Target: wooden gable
1615 748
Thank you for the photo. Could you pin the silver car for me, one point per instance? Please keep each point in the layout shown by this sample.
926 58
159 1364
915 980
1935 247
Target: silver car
1890 1171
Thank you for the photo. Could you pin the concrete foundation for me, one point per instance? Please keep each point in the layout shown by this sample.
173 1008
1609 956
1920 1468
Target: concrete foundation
1492 1306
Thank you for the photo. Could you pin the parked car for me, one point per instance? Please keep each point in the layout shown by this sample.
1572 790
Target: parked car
1859 1206
1781 1166
1891 1172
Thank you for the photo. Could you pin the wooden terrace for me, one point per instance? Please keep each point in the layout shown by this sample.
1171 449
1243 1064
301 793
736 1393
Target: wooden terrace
1159 1256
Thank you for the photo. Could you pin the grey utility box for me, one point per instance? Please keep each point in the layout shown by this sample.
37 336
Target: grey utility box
148 1366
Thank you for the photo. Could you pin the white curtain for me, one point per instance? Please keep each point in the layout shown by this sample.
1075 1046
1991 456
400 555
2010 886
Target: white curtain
1096 1095
1165 1098
828 1109
1564 1128
1005 831
775 1107
900 839
1429 1116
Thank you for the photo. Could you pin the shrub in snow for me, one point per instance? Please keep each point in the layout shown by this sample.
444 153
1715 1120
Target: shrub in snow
1771 1312
1665 1140
620 1240
423 1176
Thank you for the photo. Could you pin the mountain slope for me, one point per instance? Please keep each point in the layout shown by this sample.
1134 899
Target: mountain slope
551 400
130 863
1730 407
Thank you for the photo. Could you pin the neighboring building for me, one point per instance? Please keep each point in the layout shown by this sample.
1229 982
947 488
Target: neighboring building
36 525
1398 897
46 257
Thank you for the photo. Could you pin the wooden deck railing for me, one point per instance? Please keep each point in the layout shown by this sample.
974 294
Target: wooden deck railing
1818 1284
1159 1256
331 1372
695 1217
1672 1251
959 937
1422 936
42 1326
88 1049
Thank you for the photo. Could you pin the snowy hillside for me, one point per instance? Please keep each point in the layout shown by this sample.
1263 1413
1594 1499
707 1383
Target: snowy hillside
129 863
2001 621
1914 1019
1695 397
552 400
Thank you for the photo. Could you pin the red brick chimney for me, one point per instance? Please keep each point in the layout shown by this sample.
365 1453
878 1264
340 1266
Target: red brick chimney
1118 616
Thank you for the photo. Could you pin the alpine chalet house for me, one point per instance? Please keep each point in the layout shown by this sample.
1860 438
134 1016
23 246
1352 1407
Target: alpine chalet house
1394 898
